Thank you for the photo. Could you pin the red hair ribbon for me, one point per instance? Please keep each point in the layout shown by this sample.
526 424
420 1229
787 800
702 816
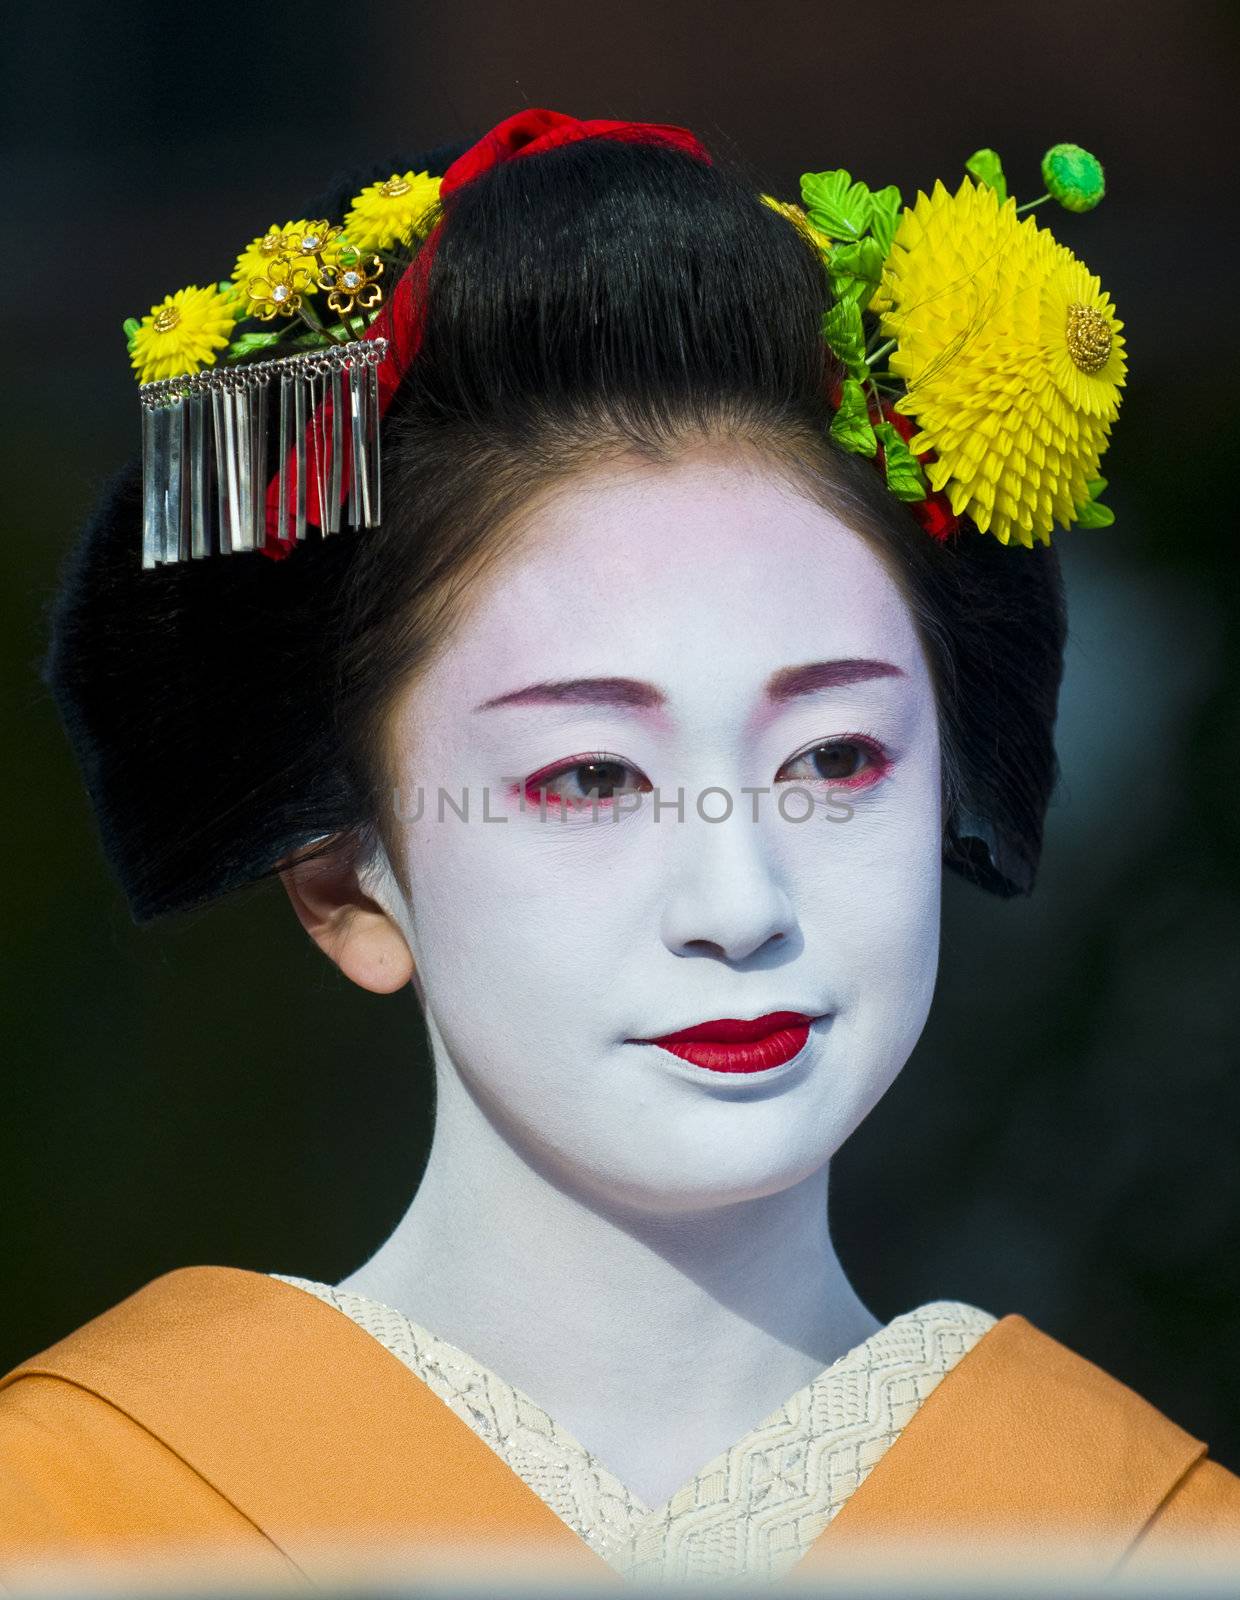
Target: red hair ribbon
400 321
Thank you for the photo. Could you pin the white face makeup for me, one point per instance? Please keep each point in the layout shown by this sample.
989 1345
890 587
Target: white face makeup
548 940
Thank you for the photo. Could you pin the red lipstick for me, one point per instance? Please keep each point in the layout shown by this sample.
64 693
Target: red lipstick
731 1045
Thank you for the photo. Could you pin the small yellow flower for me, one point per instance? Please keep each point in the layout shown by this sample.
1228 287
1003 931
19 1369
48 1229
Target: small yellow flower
1080 334
353 281
391 212
797 215
279 290
288 240
183 333
1012 358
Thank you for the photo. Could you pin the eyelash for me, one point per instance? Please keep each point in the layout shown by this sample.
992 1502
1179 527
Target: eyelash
879 765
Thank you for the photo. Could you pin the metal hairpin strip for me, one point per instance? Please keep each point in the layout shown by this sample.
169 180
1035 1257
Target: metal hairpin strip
205 467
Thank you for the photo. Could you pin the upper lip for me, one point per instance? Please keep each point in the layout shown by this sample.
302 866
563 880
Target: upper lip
733 1030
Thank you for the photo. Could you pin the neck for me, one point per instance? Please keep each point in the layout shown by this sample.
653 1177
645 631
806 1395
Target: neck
656 1340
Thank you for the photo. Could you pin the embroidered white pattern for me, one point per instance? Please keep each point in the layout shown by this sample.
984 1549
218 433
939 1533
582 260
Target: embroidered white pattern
757 1507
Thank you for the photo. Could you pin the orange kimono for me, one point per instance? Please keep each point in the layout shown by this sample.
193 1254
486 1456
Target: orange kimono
222 1421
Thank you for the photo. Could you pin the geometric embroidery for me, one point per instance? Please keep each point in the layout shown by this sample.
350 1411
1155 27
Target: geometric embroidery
753 1510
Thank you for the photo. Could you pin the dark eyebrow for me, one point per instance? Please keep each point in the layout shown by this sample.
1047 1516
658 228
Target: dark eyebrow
786 684
789 682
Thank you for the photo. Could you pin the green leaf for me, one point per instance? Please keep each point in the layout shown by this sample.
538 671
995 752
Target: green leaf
847 262
249 342
841 328
885 216
837 205
905 478
1092 513
131 326
985 166
858 290
314 340
851 428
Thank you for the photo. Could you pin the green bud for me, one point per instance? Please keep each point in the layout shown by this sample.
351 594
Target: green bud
1073 177
131 326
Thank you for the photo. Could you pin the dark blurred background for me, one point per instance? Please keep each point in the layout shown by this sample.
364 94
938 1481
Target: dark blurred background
1065 1141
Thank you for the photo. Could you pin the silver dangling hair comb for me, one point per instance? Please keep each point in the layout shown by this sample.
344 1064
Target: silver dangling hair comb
205 458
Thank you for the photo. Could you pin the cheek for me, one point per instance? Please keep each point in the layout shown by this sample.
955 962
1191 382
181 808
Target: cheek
870 893
508 930
871 839
895 956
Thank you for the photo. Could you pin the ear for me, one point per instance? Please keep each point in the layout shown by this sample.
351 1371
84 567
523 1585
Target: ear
349 925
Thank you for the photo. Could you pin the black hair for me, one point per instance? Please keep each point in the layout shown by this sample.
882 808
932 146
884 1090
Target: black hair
596 299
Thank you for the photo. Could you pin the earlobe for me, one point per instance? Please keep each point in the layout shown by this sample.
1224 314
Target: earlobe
349 925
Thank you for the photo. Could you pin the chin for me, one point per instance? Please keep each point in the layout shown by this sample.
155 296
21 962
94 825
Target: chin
690 1174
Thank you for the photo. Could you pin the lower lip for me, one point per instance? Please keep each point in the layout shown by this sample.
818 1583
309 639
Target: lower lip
757 1055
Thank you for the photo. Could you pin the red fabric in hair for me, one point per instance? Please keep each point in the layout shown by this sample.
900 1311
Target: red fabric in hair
934 512
400 321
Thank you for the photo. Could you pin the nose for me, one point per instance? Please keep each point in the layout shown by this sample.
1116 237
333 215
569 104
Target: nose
724 900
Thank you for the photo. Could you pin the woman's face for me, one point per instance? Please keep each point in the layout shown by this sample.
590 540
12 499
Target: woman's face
698 627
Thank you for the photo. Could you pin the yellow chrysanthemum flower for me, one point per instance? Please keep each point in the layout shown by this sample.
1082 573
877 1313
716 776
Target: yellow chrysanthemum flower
259 254
183 332
390 212
796 214
1011 355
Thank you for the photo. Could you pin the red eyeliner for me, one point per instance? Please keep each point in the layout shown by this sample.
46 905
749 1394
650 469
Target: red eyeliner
530 793
880 761
880 765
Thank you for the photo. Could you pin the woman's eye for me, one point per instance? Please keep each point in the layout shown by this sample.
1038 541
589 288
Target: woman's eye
847 762
579 785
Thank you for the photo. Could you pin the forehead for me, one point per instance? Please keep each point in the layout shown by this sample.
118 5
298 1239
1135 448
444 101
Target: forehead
711 569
